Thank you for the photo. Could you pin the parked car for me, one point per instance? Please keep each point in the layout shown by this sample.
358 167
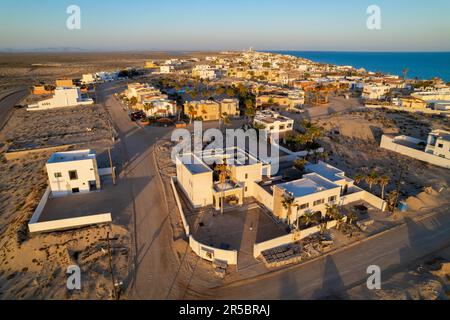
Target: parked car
138 115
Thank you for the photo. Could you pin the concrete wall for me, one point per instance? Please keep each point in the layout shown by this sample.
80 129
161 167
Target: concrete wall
423 110
374 201
65 224
289 238
263 197
37 213
105 171
211 254
356 195
180 207
22 153
389 144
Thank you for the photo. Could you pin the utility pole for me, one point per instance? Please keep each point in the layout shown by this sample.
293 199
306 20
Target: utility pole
397 196
113 173
115 296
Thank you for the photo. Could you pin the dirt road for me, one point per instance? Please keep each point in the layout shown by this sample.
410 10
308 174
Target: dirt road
8 102
155 264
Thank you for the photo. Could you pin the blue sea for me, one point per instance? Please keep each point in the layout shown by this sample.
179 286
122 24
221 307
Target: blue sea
423 65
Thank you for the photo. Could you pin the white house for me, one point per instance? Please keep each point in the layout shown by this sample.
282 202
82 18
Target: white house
88 78
204 72
160 107
273 122
63 97
247 176
166 69
438 143
374 91
73 172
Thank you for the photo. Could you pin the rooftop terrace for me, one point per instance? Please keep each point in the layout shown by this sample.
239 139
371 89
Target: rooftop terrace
71 156
310 184
327 171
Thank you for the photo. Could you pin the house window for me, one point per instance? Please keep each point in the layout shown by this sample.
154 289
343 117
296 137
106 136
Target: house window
440 145
246 189
73 175
58 175
75 190
304 206
332 199
319 202
246 176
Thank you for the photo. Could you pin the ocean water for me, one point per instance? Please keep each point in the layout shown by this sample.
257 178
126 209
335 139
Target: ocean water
423 65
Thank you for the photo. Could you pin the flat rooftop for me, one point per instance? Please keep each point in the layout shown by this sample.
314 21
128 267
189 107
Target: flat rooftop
194 164
71 156
329 172
310 184
234 157
269 117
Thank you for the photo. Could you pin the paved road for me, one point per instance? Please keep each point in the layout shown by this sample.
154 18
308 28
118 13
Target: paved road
330 277
155 262
7 104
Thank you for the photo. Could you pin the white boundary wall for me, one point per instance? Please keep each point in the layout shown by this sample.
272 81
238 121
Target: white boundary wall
389 144
206 252
180 208
65 224
34 226
37 213
411 110
211 254
288 239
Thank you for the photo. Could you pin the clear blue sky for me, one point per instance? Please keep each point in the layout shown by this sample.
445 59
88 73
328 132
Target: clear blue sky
407 25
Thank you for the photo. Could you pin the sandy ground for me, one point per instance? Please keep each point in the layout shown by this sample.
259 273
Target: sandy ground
19 69
36 129
34 267
427 279
353 140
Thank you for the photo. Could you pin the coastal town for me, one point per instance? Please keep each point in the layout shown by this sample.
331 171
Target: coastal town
357 175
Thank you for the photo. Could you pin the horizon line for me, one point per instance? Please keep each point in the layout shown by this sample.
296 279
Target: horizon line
80 50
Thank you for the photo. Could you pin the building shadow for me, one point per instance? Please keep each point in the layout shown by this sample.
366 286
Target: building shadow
333 287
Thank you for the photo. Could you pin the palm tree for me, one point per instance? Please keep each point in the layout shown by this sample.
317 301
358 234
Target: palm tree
392 200
192 113
383 181
288 202
372 179
334 213
250 113
352 217
309 217
300 164
359 177
223 119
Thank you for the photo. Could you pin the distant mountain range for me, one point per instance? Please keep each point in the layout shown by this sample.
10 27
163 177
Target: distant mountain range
49 49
